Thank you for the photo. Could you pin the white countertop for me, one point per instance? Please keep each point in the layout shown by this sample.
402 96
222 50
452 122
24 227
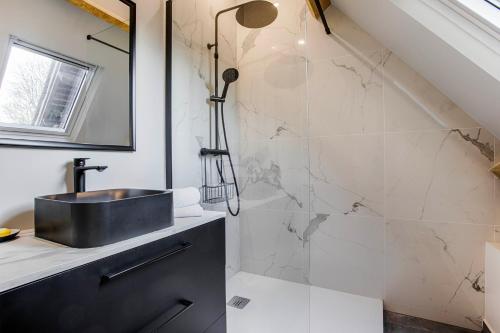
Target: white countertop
28 258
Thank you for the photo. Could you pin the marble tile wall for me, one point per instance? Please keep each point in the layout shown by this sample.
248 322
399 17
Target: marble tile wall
192 113
272 104
347 159
357 174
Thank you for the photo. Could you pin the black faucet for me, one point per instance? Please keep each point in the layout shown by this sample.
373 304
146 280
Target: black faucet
79 169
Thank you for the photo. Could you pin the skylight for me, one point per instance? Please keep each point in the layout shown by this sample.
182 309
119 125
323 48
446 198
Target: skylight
494 3
41 90
486 11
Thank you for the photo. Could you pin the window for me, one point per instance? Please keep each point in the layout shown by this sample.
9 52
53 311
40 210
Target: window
483 12
494 3
41 91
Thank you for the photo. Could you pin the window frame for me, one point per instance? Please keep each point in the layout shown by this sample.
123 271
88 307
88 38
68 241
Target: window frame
494 3
79 107
480 13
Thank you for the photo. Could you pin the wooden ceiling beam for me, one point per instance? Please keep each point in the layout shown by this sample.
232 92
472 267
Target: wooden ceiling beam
97 12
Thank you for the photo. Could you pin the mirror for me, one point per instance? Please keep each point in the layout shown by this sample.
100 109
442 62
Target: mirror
67 73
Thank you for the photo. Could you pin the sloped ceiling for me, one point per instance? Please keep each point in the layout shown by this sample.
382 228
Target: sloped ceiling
457 63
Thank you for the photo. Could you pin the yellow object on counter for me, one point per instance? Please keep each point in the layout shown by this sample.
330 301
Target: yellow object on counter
5 232
496 170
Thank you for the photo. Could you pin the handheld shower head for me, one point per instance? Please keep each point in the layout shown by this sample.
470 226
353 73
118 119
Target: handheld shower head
229 76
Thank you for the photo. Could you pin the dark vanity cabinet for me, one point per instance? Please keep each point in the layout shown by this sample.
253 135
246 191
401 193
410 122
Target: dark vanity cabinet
174 285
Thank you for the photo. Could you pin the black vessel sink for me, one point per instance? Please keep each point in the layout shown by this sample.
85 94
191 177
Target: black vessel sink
91 219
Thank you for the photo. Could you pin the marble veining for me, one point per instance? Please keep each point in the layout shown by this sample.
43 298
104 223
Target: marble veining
445 265
249 43
272 244
279 131
270 176
391 176
356 206
357 90
347 174
28 259
313 226
476 282
365 82
486 148
430 192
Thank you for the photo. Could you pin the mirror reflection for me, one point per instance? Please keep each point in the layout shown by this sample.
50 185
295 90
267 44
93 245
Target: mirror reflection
68 79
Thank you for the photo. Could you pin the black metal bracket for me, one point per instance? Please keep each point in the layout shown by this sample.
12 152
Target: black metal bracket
217 99
90 37
213 152
323 18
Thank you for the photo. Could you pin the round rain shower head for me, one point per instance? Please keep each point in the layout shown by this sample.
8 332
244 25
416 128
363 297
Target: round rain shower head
230 75
256 14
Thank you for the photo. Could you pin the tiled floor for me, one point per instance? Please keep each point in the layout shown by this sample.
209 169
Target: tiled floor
397 323
286 307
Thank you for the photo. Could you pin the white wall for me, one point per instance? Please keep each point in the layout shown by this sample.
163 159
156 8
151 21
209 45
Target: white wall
27 173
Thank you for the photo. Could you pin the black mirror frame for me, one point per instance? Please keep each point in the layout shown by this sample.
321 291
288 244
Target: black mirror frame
41 144
168 93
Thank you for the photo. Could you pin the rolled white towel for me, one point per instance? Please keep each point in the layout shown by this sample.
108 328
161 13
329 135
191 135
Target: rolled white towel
185 197
190 211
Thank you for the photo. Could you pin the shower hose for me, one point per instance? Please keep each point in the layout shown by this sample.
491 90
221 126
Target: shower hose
220 169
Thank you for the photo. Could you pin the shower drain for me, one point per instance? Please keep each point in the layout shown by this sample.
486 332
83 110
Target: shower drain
238 302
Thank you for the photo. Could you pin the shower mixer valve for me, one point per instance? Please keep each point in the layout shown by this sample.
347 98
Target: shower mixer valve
213 152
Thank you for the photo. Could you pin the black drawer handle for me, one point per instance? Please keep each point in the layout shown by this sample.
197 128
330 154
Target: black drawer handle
159 322
186 304
181 248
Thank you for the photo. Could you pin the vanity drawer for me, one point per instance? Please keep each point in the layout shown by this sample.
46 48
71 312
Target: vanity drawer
176 284
219 325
